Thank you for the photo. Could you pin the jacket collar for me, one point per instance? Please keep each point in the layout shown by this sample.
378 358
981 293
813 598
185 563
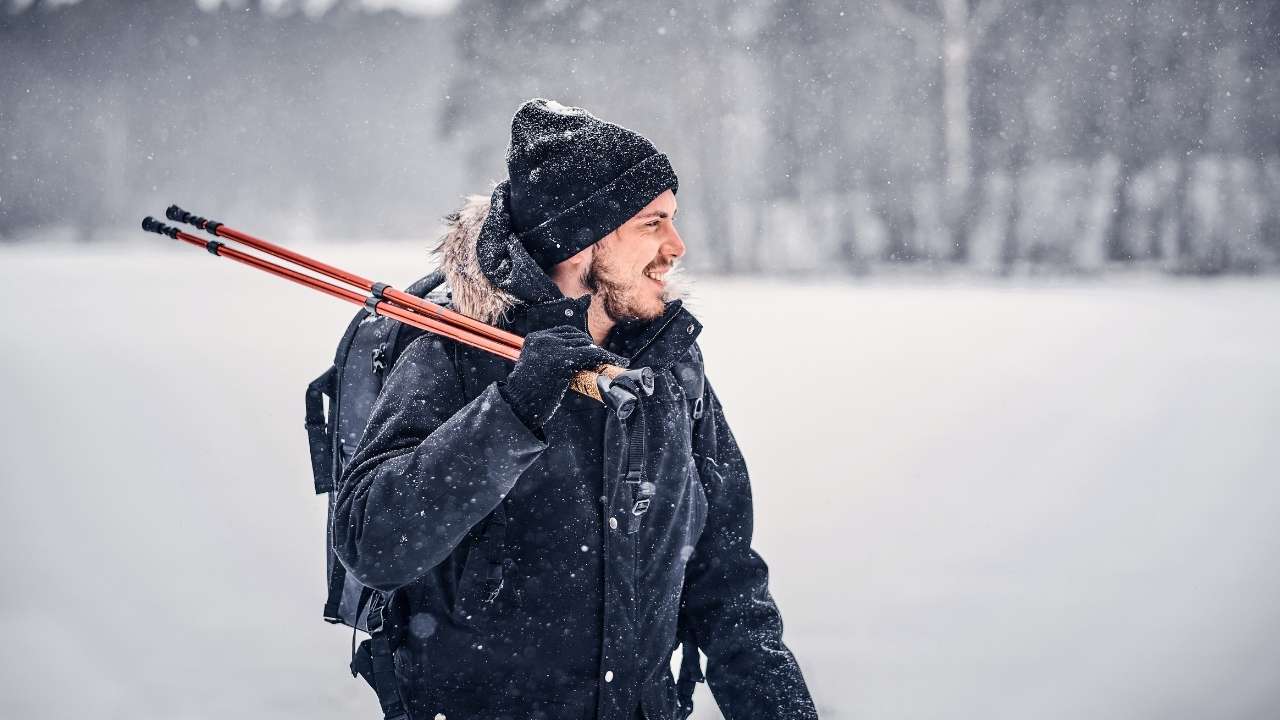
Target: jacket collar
657 343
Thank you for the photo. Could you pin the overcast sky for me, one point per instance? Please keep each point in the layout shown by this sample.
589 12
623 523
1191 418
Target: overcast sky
311 7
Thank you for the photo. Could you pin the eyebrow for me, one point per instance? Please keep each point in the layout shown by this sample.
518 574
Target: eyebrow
660 214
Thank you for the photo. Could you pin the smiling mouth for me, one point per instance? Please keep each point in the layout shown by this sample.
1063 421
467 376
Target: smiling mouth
658 276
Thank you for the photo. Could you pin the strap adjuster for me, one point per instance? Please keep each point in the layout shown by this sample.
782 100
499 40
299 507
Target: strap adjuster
645 492
373 621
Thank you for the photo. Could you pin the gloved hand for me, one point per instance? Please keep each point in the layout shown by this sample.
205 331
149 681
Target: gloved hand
550 358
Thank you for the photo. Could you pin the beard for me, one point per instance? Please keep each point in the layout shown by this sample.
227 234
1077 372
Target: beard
621 300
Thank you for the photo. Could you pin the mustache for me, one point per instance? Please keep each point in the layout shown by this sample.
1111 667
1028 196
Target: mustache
662 265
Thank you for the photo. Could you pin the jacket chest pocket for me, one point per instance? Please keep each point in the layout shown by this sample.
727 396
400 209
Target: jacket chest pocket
670 415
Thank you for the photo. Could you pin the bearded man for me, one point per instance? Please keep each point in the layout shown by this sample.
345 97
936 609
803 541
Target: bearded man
539 554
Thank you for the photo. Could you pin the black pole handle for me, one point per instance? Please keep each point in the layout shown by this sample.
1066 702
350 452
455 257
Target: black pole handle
177 214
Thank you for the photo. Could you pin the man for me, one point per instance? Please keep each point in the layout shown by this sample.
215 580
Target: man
545 556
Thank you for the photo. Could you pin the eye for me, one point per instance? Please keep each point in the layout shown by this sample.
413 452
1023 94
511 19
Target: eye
651 224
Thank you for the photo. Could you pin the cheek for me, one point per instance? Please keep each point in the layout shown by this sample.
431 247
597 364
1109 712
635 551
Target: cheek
647 251
634 251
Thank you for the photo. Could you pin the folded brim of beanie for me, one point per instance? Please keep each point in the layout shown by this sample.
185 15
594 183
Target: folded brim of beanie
600 213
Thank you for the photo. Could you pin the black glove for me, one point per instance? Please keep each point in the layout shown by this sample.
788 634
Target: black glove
550 358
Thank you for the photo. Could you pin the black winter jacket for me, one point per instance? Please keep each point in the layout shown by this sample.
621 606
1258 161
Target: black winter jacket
563 603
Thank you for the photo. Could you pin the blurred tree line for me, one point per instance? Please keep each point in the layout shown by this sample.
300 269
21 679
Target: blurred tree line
811 136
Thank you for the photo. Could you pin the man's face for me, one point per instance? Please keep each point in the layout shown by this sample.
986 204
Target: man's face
627 266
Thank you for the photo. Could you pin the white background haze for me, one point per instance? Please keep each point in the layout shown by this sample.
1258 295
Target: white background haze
978 499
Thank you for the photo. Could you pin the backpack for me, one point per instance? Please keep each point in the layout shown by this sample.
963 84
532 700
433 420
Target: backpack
366 353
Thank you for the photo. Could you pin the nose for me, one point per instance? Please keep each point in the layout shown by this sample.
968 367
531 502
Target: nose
673 245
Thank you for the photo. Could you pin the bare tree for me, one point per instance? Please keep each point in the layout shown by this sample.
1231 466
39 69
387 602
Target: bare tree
951 37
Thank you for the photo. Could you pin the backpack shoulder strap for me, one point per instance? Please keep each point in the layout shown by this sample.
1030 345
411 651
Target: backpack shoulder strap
426 284
401 335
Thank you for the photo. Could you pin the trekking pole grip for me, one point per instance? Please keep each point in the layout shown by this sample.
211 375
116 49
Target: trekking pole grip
585 382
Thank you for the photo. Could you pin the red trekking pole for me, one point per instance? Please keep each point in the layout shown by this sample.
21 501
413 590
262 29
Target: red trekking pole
384 300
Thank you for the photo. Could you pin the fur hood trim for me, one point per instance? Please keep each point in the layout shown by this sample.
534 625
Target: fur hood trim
473 294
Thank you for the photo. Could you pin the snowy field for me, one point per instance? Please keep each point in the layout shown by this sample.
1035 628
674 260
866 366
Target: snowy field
1049 500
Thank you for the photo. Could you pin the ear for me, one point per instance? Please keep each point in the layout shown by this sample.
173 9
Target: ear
580 259
567 273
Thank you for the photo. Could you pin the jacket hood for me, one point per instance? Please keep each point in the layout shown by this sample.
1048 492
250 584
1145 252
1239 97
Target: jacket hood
476 294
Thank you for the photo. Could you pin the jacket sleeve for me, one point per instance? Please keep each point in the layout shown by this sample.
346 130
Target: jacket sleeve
726 602
429 467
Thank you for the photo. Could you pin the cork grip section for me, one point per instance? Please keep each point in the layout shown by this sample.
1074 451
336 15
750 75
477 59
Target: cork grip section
584 383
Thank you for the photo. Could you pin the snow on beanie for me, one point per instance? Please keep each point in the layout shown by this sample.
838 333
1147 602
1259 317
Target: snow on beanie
572 179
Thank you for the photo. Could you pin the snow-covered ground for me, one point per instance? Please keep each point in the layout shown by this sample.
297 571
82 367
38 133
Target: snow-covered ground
1053 500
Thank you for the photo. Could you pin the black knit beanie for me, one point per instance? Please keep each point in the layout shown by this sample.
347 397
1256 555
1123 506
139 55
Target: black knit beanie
572 179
